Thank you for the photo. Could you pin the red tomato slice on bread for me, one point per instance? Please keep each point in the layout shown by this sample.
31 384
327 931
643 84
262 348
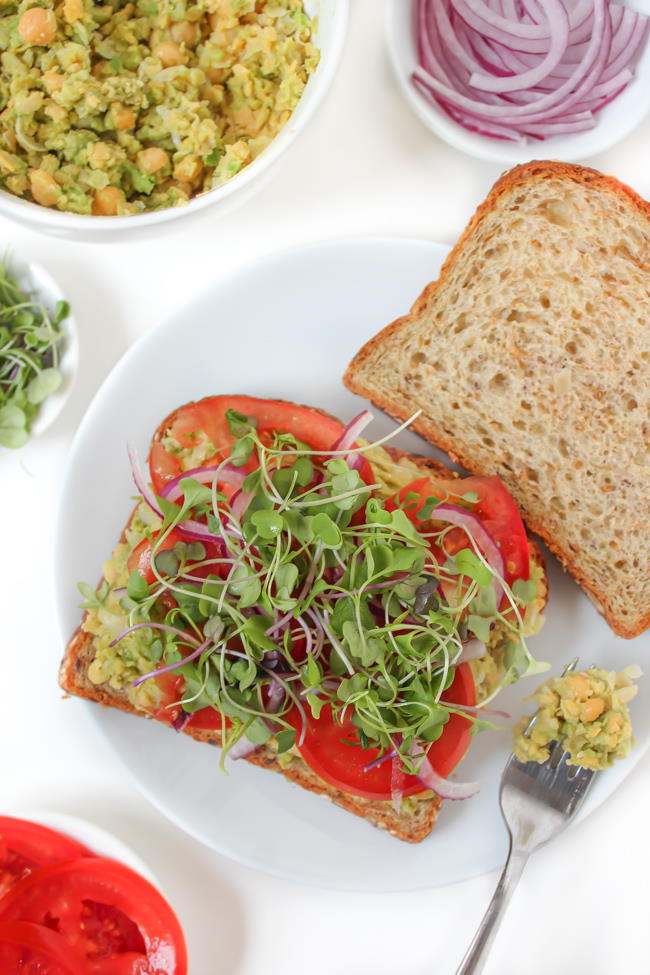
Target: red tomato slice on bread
495 507
208 418
333 751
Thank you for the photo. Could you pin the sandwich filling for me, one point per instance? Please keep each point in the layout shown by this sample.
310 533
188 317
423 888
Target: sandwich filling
289 586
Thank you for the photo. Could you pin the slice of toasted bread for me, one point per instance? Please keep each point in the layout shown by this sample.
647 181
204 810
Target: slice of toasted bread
529 358
412 823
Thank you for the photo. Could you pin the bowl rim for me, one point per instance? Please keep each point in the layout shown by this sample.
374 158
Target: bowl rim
35 215
38 281
569 148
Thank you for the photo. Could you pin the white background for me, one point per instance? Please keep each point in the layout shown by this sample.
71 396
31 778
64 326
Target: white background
365 165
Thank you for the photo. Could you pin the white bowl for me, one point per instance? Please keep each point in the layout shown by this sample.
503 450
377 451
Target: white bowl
615 121
38 283
329 35
94 837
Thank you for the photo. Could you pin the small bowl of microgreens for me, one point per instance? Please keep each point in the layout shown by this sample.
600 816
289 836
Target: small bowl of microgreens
38 351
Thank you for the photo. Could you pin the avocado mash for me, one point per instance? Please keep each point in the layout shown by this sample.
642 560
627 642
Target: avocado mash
122 107
587 712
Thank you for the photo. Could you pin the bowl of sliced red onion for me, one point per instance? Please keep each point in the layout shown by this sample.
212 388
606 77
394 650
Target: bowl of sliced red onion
506 80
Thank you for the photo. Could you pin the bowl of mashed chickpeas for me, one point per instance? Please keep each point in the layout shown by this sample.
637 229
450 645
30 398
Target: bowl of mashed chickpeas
133 112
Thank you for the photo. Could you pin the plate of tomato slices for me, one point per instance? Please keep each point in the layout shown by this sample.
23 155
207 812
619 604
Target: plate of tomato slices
74 900
283 330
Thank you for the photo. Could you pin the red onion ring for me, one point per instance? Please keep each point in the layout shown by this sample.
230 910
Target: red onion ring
204 475
516 69
474 649
140 480
455 515
242 748
442 787
349 436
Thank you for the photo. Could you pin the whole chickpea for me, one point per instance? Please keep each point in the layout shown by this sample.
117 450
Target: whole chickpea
44 187
188 169
37 26
152 159
53 81
169 53
99 155
122 116
185 33
107 201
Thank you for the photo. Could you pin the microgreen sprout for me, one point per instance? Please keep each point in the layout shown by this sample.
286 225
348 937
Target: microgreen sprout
322 593
30 346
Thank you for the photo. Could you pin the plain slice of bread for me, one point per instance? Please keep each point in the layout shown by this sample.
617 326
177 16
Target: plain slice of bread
530 358
412 823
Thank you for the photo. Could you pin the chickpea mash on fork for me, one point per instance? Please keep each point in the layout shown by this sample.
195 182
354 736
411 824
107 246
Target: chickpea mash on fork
123 107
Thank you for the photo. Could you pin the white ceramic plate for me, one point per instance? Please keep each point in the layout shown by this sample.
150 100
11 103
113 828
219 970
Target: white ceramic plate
94 837
287 327
615 121
37 282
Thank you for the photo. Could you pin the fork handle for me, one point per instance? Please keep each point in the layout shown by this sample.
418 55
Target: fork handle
477 952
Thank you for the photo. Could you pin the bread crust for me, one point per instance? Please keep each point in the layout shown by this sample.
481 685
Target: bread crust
353 377
413 826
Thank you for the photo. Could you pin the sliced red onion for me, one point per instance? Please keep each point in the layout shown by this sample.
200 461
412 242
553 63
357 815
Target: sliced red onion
197 531
352 430
444 788
397 778
205 475
534 69
472 650
276 696
455 515
140 479
349 436
397 775
558 21
242 748
240 502
181 720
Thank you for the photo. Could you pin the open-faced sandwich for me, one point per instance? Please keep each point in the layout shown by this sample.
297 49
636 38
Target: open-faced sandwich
331 609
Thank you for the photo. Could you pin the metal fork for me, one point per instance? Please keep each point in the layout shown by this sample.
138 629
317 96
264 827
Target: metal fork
537 802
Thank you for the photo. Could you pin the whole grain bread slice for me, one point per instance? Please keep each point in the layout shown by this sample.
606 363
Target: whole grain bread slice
529 358
412 823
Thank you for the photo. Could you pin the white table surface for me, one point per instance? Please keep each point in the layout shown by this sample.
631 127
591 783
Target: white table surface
365 165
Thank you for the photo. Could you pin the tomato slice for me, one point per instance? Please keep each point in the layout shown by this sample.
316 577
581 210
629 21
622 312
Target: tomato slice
102 909
140 558
344 765
31 949
208 416
172 686
24 846
495 507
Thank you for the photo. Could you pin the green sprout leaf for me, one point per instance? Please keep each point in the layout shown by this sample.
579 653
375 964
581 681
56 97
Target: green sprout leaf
43 385
137 586
469 564
269 524
524 591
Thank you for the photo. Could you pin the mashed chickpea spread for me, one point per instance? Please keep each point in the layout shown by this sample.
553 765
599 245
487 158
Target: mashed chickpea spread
122 107
587 712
